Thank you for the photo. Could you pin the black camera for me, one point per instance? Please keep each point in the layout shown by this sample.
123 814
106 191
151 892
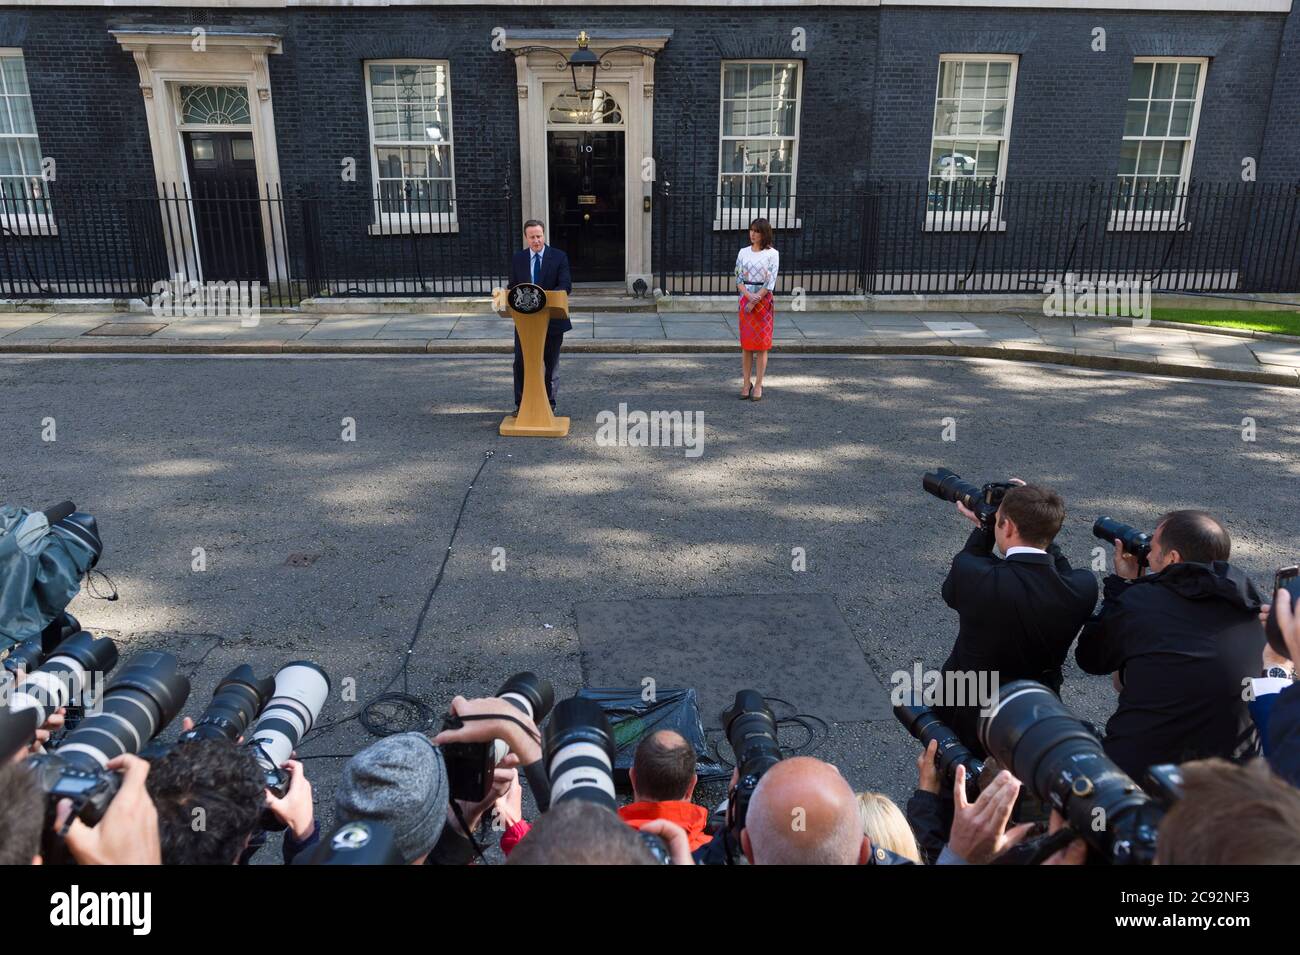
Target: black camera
30 654
1287 579
470 765
1060 759
143 698
751 731
1134 542
924 726
301 689
947 485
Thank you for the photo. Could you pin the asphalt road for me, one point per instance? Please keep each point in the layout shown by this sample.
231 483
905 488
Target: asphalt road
245 458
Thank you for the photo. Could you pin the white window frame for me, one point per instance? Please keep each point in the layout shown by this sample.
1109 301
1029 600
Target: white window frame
973 220
731 219
1156 220
28 223
407 222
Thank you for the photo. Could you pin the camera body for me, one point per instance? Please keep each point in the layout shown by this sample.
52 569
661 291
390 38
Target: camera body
470 766
924 726
948 485
1135 543
1286 579
751 731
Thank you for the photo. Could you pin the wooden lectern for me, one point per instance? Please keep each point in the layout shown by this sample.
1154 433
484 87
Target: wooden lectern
532 308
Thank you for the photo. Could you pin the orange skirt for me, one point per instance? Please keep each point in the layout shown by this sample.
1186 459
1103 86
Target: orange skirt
756 323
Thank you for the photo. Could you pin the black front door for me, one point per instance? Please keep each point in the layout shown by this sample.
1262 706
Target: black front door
227 211
586 194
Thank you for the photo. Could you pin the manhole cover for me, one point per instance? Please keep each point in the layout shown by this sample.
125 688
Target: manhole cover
127 328
954 329
302 560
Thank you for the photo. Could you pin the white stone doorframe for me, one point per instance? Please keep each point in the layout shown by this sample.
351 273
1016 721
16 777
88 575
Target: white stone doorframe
165 60
629 68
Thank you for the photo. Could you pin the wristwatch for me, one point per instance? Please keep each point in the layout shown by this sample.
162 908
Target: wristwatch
1279 673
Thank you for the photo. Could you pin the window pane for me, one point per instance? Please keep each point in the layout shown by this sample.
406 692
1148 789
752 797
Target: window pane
995 117
390 163
204 150
15 77
953 160
760 80
1158 118
970 121
949 78
1172 163
785 80
1180 121
5 125
733 118
783 118
972 84
241 149
11 163
733 157
21 109
1148 159
987 159
945 117
735 80
1188 75
1140 87
1135 120
1164 84
383 83
385 113
999 80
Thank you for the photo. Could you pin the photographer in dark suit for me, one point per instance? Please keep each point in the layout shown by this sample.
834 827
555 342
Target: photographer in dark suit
1019 613
1181 643
547 266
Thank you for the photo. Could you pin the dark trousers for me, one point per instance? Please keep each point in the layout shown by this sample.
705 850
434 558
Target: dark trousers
550 359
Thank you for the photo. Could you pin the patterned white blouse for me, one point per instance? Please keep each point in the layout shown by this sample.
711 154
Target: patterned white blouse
757 269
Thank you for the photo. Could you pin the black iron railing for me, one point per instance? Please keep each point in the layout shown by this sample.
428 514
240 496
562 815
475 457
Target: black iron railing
917 236
943 236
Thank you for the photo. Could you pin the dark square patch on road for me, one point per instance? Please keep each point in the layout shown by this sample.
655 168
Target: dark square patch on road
796 647
127 328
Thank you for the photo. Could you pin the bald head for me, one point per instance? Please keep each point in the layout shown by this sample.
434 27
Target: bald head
803 812
663 769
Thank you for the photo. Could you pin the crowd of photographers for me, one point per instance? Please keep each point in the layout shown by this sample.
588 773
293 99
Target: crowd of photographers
1199 763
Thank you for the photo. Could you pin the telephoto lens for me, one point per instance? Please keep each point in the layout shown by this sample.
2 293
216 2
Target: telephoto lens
1136 543
1060 759
578 749
74 668
924 726
301 689
751 731
30 654
143 698
470 766
237 700
947 485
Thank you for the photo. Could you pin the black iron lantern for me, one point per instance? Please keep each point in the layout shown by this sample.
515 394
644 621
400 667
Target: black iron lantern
583 63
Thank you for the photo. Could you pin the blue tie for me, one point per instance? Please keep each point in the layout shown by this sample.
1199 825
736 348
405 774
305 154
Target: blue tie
537 268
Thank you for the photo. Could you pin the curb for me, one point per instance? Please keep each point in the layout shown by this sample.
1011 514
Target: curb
1048 354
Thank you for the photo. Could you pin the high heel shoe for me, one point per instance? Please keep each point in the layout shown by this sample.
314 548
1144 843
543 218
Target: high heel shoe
755 397
744 395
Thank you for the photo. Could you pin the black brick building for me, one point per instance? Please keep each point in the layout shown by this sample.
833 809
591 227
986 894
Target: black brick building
396 147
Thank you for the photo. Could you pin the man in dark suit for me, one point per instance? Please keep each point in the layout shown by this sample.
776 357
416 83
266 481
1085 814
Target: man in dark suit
547 266
1018 613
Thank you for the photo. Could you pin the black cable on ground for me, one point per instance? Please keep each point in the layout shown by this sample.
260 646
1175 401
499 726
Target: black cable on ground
818 730
387 712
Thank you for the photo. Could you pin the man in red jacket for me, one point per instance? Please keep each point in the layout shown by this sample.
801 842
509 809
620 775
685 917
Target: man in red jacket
663 780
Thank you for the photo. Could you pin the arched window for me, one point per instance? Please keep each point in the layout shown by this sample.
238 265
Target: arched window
214 106
571 109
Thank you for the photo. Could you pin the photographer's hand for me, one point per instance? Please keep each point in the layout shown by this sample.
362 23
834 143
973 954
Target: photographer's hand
1076 853
674 837
1126 565
523 740
979 829
128 833
504 778
1288 622
967 513
295 810
929 771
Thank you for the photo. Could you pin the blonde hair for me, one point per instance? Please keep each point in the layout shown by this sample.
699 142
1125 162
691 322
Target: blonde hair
886 826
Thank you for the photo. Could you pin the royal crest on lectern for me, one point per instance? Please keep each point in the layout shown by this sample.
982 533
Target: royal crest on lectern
527 298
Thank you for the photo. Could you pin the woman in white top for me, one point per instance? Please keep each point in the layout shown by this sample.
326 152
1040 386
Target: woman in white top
756 268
